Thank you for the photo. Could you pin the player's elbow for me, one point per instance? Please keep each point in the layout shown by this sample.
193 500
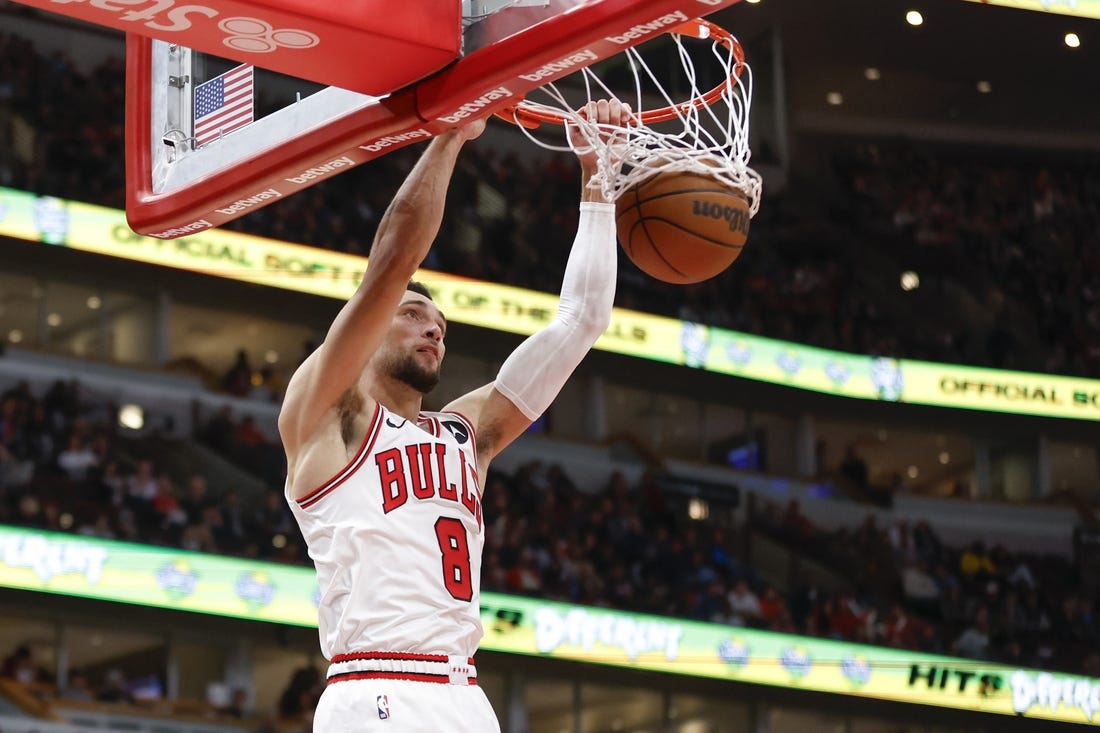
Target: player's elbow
592 323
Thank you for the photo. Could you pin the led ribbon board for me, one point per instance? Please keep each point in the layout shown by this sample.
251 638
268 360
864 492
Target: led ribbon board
1079 8
331 274
121 572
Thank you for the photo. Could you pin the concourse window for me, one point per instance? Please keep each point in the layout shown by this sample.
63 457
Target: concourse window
705 714
609 709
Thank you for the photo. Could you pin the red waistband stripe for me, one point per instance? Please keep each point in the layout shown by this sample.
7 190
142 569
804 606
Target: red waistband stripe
438 668
441 679
399 656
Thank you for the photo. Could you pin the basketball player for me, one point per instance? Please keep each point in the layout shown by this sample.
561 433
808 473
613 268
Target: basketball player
388 497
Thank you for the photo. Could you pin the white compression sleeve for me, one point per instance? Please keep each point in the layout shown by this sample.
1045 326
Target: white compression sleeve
536 371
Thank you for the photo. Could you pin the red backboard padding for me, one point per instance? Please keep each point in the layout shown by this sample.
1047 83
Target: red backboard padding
490 76
368 46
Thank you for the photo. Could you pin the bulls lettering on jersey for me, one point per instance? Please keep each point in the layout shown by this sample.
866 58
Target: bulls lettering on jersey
420 470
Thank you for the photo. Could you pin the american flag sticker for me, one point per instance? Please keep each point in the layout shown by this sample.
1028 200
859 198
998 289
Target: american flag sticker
224 104
383 707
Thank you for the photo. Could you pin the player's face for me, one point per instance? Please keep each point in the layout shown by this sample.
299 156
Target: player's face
416 348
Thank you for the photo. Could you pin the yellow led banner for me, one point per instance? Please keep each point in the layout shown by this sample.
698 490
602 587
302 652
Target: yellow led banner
161 577
1080 8
336 275
311 270
994 390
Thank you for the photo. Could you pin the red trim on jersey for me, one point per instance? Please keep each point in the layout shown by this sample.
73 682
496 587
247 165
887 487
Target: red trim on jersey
409 676
345 473
473 434
428 424
403 656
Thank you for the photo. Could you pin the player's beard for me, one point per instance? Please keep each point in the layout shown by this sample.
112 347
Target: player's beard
406 369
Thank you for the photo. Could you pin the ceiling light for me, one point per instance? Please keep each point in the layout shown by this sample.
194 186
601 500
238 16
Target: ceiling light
94 303
131 416
271 356
910 280
15 335
54 319
914 18
912 472
984 87
945 457
1073 40
834 98
871 73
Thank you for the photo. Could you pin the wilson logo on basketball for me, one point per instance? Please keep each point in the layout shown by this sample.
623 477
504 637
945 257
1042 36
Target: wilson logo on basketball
738 219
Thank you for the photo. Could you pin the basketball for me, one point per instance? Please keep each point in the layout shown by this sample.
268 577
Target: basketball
682 227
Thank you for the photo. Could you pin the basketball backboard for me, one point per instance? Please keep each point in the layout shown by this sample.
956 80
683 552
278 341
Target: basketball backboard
380 76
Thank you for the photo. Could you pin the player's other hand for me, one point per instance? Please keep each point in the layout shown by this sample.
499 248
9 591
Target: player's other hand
605 112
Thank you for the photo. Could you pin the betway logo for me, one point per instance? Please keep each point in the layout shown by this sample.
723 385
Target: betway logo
248 203
644 29
578 627
577 60
322 170
388 140
195 226
49 558
475 106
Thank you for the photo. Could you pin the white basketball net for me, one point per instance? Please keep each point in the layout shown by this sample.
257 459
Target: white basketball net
710 139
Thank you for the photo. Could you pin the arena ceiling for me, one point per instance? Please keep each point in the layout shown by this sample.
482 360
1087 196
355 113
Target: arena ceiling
1039 87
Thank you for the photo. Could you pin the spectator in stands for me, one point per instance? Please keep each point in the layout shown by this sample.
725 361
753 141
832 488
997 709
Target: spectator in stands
14 471
921 590
97 525
198 536
141 487
238 380
744 605
77 458
270 387
77 688
976 564
238 704
20 666
249 435
899 630
16 465
773 609
795 524
168 514
973 642
221 432
114 688
301 694
197 500
234 527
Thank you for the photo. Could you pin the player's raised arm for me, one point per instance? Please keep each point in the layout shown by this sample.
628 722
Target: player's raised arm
404 237
537 370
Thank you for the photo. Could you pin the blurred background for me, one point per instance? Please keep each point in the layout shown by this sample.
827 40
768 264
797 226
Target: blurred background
930 202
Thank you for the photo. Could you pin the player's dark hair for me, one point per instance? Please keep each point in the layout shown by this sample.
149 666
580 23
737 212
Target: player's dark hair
421 288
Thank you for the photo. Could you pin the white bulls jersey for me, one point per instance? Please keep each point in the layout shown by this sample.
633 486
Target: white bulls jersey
397 537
